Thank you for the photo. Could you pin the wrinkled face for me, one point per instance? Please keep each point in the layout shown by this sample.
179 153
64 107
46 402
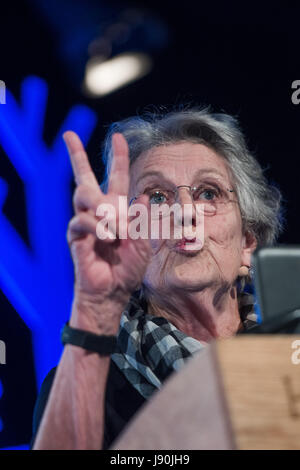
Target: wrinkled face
224 249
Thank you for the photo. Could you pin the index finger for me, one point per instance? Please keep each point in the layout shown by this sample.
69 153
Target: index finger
82 170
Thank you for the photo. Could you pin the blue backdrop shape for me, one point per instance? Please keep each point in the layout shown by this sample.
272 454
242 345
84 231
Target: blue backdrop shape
38 279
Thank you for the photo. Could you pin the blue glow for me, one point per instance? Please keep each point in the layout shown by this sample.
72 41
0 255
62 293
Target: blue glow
20 447
251 289
38 281
258 312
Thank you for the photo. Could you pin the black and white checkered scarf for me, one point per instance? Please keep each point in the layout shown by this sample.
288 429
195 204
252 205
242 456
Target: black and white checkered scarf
150 348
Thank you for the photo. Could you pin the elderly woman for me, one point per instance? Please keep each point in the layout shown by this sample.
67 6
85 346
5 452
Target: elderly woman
163 298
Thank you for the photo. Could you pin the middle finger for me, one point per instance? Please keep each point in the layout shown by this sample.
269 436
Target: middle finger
119 174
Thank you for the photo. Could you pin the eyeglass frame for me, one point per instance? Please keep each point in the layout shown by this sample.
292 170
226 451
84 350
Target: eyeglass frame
190 189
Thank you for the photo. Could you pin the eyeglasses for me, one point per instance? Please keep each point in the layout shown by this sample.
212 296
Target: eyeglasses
208 198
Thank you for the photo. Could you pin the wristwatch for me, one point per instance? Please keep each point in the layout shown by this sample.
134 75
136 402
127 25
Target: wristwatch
104 345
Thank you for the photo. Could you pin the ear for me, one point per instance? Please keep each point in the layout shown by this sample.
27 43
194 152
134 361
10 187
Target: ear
249 244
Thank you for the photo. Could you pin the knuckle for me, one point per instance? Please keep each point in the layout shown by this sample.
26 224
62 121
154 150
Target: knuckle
79 219
84 197
70 229
79 194
74 222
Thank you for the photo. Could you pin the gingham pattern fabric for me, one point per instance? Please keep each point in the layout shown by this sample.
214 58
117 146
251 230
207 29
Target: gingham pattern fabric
150 348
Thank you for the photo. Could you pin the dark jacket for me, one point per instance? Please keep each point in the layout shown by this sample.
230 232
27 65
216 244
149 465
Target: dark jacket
122 400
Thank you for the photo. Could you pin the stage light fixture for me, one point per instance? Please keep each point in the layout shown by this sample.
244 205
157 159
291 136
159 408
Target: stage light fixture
103 76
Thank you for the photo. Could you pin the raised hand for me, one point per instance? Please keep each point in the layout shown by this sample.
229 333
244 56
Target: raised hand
106 271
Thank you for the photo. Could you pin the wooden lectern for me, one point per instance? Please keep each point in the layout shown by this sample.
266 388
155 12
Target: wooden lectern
240 393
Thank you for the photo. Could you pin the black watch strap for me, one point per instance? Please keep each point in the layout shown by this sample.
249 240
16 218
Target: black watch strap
102 344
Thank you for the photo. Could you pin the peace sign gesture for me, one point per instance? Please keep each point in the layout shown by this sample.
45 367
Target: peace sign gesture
106 271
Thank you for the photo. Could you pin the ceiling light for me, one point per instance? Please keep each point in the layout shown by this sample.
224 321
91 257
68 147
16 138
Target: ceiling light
105 76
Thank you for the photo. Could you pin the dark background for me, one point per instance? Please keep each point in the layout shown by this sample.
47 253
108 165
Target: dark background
239 59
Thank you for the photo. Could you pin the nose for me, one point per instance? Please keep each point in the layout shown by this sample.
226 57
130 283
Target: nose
184 197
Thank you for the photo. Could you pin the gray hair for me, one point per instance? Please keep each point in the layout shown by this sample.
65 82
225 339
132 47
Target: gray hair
259 201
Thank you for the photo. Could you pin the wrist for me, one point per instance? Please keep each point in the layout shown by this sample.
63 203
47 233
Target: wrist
99 316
